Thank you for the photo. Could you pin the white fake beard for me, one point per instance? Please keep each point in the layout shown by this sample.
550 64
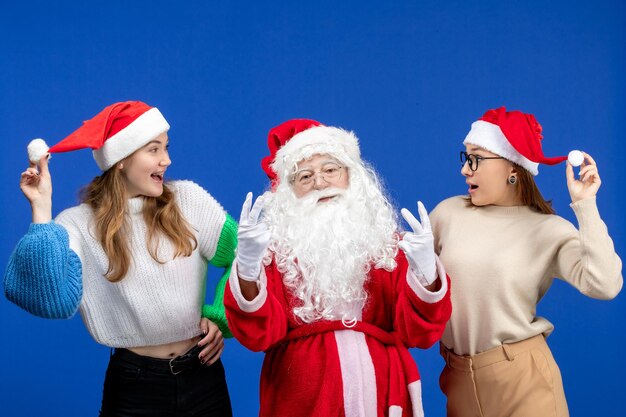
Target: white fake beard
326 249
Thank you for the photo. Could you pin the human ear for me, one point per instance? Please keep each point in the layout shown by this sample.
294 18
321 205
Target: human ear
512 177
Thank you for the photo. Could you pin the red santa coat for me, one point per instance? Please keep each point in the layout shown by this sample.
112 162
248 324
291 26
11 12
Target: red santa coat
341 369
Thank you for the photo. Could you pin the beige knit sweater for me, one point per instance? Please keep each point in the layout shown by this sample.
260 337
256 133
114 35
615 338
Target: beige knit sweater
502 260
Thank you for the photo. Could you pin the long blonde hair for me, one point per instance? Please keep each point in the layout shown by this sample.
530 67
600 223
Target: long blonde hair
106 194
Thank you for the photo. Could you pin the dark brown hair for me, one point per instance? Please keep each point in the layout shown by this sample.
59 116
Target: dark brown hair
528 192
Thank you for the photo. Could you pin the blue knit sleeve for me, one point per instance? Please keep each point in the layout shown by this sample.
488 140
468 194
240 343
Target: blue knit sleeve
44 276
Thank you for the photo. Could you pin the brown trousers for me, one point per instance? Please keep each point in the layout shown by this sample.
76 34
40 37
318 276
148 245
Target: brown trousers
513 380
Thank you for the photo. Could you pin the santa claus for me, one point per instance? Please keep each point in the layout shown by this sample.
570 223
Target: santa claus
328 287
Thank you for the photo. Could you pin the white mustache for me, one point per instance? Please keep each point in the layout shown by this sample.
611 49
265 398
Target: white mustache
314 196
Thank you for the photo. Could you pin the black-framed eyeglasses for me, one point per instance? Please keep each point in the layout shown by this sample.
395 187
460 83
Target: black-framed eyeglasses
472 160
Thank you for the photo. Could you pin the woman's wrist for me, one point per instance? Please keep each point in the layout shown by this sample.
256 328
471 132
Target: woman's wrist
42 213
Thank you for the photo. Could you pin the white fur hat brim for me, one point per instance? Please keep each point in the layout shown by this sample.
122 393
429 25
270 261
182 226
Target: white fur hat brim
337 142
490 137
134 136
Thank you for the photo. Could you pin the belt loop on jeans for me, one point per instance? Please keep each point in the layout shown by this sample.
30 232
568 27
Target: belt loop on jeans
507 352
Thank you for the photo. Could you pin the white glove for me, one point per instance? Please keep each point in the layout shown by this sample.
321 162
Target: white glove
419 246
253 238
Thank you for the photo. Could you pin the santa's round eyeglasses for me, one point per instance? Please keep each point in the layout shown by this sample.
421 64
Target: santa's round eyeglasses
330 172
472 160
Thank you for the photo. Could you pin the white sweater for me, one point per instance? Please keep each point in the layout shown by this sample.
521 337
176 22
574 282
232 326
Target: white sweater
154 303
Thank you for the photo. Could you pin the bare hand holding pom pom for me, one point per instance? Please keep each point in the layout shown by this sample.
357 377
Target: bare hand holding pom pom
36 184
588 182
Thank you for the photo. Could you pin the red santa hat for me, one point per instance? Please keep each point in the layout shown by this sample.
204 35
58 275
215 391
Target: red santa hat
299 139
113 134
514 135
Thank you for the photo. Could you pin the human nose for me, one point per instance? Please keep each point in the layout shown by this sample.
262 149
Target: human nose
319 182
465 169
165 160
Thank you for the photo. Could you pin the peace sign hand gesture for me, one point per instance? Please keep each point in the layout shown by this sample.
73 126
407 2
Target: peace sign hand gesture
419 246
253 239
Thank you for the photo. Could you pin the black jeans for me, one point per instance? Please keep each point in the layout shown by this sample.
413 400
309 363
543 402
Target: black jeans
142 386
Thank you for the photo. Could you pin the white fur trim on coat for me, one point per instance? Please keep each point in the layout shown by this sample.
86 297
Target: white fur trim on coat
421 292
415 393
243 304
137 134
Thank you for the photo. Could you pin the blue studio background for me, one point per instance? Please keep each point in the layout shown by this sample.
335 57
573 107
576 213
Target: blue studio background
409 77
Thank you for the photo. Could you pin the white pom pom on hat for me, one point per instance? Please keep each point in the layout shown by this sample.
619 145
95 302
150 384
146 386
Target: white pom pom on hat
575 158
37 148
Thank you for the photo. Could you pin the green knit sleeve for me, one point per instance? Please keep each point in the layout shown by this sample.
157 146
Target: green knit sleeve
223 258
226 245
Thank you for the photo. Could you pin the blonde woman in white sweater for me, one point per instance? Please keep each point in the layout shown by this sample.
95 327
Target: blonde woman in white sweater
132 258
502 246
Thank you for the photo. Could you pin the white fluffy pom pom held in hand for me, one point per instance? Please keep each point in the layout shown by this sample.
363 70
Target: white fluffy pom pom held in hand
37 148
575 158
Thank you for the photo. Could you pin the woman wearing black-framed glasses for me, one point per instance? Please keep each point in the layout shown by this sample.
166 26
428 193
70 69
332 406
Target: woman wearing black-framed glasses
502 245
